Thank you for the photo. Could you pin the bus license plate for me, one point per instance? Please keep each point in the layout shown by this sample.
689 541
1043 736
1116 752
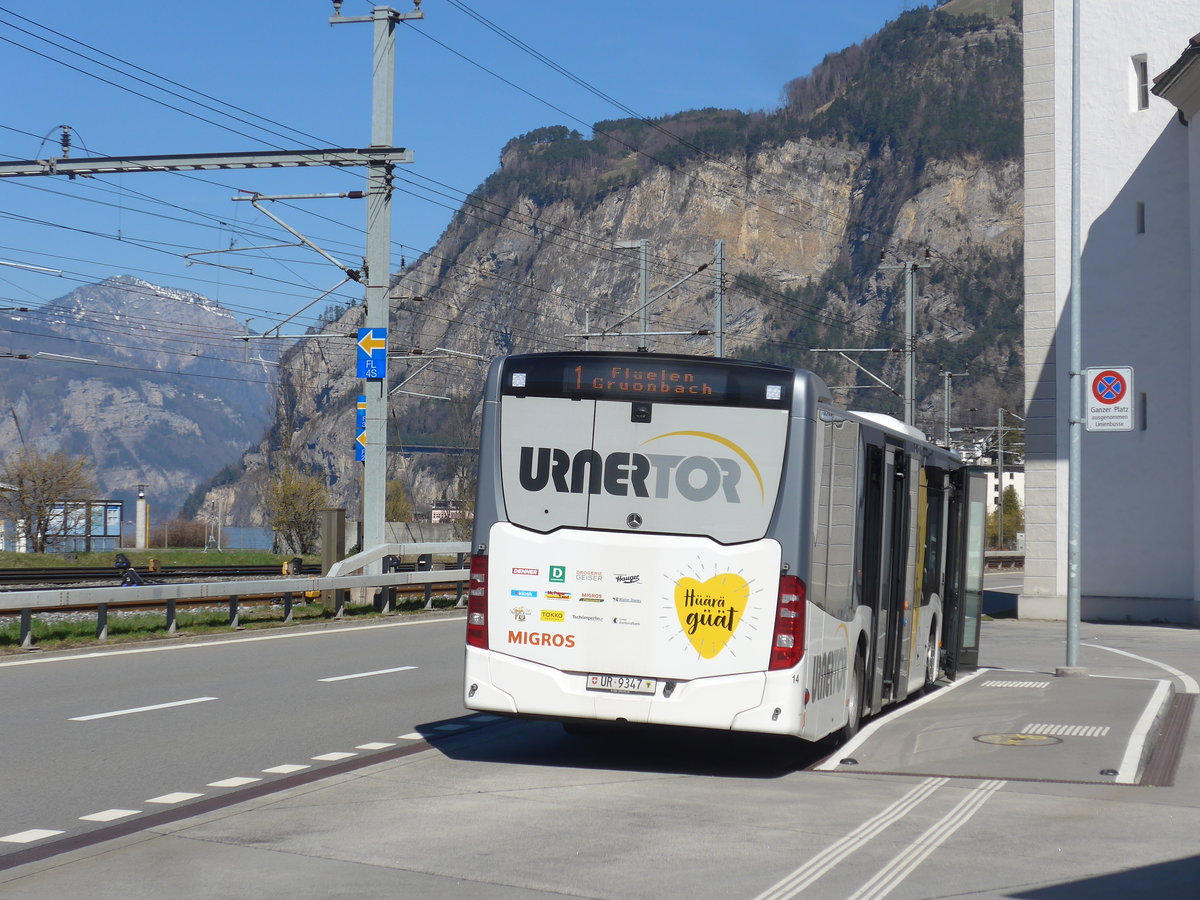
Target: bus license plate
621 684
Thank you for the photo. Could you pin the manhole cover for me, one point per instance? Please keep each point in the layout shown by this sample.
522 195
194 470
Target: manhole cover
1018 740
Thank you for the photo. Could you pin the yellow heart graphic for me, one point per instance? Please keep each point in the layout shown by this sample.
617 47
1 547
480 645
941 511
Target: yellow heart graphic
710 612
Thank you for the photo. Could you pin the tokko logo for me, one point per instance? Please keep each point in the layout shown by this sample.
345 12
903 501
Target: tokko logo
663 476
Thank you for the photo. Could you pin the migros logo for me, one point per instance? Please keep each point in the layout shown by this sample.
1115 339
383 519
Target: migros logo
660 475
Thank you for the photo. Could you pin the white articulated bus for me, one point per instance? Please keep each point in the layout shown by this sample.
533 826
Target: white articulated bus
710 543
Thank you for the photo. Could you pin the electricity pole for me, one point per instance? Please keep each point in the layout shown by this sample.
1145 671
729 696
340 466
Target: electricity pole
719 312
910 342
946 397
643 246
379 256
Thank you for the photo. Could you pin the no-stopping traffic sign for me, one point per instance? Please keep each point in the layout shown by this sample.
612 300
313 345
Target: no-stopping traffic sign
1109 399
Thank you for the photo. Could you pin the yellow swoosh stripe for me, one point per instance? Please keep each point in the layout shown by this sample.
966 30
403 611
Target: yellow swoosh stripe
725 442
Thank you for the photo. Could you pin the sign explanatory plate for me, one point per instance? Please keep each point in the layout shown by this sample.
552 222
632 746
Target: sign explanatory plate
1108 398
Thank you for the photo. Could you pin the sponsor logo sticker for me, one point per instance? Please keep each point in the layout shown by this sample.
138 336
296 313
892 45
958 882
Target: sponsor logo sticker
588 575
579 618
558 595
618 620
553 615
592 598
524 571
629 579
558 573
541 639
524 593
521 613
627 599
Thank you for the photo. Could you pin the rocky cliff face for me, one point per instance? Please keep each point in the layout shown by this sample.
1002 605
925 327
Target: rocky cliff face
164 397
816 204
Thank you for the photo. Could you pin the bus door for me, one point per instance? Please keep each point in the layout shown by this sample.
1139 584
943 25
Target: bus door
885 558
962 603
871 565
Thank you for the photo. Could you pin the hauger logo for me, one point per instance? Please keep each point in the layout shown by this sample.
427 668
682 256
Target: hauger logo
663 476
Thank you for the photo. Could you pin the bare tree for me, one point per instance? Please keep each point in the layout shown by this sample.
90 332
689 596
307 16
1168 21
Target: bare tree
39 488
294 502
398 506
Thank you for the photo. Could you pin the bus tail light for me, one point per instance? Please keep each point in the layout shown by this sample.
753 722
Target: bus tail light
787 645
477 635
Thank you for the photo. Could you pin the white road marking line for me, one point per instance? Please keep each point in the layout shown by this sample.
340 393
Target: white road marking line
833 763
411 736
109 815
237 781
26 837
138 709
1127 773
1067 730
1189 683
204 645
285 769
367 674
332 757
902 865
806 874
374 745
177 797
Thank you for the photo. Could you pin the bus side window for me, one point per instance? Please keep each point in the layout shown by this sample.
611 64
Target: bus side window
833 558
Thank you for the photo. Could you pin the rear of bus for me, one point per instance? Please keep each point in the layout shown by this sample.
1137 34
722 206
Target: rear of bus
626 563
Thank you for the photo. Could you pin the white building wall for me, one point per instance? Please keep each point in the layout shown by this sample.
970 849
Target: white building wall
1138 546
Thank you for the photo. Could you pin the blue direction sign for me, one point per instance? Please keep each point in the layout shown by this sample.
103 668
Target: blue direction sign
360 429
372 353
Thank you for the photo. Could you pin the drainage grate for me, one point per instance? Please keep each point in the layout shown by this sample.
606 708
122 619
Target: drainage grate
1068 730
1018 684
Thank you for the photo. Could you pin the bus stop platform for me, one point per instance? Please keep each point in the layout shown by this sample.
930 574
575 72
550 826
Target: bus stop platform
1027 726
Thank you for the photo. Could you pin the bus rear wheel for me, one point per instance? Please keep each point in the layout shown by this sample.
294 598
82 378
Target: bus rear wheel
854 697
931 659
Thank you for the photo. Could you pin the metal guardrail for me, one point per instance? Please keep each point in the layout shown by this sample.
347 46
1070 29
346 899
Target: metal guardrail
1004 559
25 603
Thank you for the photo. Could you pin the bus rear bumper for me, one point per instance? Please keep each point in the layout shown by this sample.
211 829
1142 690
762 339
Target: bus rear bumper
754 702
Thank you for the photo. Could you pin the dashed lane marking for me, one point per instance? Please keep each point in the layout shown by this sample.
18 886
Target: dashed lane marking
367 674
28 837
233 782
138 709
411 736
374 745
177 797
109 815
333 757
285 769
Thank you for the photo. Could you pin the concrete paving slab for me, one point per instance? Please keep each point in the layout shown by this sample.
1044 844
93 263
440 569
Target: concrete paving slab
1017 725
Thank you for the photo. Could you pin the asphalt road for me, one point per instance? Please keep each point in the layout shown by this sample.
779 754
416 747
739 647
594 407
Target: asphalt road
93 733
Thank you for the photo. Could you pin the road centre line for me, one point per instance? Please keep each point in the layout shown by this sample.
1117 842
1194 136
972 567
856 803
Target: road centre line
223 642
810 871
904 862
367 674
1189 683
138 709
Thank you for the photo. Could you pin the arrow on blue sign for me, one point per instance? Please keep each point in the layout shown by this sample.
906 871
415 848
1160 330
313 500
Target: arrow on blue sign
372 353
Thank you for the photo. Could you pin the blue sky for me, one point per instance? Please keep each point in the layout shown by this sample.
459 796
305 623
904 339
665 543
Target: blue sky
283 61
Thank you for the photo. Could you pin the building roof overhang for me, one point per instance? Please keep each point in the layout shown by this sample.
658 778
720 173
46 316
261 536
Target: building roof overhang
1180 84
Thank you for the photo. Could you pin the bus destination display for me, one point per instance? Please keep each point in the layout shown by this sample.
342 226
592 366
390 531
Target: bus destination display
618 377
